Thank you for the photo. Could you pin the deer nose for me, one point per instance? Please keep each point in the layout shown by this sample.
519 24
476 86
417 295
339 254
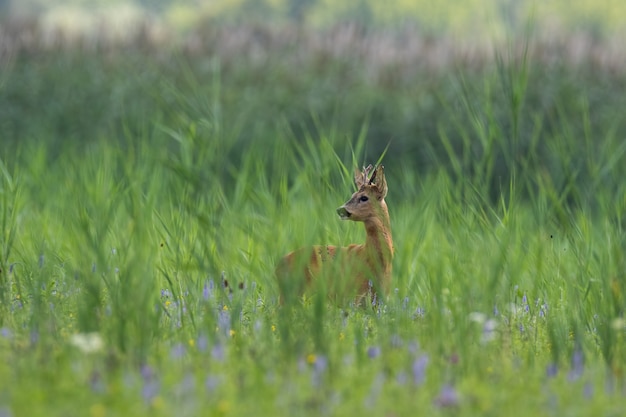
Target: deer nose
343 213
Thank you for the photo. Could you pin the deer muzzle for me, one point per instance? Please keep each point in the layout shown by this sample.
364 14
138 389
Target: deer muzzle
343 213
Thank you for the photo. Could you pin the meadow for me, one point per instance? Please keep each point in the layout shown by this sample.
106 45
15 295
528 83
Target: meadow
147 195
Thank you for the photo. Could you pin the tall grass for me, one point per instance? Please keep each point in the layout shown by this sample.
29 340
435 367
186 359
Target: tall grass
482 293
138 264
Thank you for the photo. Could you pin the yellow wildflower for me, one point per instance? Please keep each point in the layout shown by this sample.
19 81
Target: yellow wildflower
223 407
97 410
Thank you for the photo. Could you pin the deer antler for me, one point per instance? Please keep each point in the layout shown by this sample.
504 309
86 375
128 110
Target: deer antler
366 172
373 177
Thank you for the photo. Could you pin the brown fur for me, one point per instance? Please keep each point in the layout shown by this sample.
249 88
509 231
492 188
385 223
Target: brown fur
355 270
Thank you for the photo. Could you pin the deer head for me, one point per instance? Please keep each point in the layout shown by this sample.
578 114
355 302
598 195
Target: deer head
369 198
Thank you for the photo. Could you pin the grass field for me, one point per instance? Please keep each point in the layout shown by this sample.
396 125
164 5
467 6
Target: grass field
132 185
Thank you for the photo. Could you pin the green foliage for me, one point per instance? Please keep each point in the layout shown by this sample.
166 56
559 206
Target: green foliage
138 247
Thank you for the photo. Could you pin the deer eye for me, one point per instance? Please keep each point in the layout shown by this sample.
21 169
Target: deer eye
363 198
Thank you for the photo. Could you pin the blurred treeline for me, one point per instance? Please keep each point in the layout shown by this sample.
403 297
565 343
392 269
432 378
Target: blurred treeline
543 106
463 17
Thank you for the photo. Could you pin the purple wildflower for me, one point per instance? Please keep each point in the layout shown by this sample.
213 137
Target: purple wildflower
146 372
178 351
413 347
202 343
320 364
373 352
96 383
6 333
588 390
448 397
418 369
319 367
577 366
496 312
218 352
212 382
419 312
34 337
223 321
41 260
5 412
207 289
151 385
150 390
551 370
525 303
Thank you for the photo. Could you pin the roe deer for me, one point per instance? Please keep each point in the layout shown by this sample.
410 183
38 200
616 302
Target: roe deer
352 271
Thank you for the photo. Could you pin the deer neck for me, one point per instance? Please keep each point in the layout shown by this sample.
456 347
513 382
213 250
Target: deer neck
378 239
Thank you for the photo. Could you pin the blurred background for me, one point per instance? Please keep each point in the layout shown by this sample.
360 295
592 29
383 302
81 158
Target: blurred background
473 18
482 88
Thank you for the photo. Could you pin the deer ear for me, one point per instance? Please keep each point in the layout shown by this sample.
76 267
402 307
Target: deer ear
379 181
